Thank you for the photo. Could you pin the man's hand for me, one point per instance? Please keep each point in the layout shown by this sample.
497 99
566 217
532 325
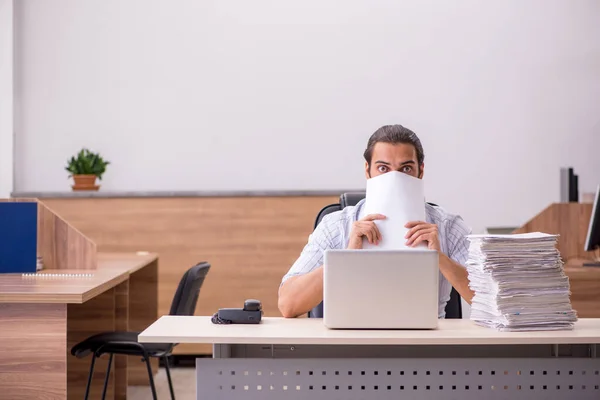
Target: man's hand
365 227
419 232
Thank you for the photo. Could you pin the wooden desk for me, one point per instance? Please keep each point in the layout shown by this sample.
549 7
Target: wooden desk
43 316
301 358
585 288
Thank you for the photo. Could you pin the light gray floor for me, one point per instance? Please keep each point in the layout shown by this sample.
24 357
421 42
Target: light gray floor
184 383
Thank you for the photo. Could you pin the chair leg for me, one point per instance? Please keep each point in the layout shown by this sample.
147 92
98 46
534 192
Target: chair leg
150 377
107 376
166 358
89 382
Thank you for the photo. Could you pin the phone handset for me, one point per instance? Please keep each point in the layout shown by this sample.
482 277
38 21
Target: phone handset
250 314
252 305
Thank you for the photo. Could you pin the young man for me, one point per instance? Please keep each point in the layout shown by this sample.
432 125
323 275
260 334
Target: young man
390 148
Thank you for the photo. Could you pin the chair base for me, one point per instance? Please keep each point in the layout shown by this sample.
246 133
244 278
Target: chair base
146 359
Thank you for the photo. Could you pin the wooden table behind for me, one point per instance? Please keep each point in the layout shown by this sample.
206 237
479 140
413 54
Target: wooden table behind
585 288
249 241
43 317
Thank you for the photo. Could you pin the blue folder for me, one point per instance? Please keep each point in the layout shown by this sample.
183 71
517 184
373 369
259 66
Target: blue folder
18 237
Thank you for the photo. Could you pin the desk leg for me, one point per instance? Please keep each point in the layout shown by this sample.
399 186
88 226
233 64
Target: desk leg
83 320
33 351
121 324
143 311
221 351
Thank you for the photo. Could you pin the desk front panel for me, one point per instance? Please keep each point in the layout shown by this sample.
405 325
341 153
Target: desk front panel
399 378
33 351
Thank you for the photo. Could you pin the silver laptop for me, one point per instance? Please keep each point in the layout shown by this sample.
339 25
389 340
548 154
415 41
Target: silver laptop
380 289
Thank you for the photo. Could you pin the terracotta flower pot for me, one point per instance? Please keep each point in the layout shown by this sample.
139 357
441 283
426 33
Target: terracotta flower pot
85 182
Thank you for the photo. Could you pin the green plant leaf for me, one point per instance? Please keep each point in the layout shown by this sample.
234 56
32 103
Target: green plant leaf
86 163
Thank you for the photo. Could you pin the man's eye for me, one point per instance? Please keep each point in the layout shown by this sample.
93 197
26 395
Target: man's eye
382 168
406 169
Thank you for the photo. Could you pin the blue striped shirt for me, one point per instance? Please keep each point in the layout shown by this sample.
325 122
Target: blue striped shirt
334 233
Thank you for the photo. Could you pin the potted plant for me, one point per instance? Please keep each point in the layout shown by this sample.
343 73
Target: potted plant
85 167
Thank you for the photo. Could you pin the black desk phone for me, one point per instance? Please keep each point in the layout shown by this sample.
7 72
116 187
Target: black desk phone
250 314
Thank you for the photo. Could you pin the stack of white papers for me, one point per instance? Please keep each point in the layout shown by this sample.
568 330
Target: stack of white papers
519 283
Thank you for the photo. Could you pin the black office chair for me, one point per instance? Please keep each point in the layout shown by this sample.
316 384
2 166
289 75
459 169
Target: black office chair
126 343
453 307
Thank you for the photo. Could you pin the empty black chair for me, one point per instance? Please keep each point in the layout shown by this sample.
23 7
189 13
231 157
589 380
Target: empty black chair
126 343
453 307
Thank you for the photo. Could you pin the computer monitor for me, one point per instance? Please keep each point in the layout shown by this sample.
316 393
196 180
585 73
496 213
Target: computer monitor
592 241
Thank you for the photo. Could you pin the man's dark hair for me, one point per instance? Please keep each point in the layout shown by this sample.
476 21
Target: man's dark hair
394 134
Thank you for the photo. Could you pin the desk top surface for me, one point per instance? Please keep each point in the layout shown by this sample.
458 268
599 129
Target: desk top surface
72 286
195 329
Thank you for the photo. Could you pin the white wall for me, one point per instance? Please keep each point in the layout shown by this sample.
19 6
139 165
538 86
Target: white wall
6 98
268 95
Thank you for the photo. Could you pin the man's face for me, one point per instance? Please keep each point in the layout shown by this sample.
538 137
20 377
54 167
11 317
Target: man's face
399 157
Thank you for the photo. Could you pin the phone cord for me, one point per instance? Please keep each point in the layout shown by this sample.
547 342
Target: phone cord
216 320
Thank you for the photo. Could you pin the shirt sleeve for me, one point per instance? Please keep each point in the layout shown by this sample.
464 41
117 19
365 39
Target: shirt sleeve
458 244
325 236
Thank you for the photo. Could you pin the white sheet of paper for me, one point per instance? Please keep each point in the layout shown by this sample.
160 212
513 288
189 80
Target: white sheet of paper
401 198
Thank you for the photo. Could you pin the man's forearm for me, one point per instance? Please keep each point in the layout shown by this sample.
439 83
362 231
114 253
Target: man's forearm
457 276
299 294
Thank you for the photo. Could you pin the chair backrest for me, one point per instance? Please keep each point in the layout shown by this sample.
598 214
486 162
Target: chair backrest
351 198
186 296
324 211
346 199
453 307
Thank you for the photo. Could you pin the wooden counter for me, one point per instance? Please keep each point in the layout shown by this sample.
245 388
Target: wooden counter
250 242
